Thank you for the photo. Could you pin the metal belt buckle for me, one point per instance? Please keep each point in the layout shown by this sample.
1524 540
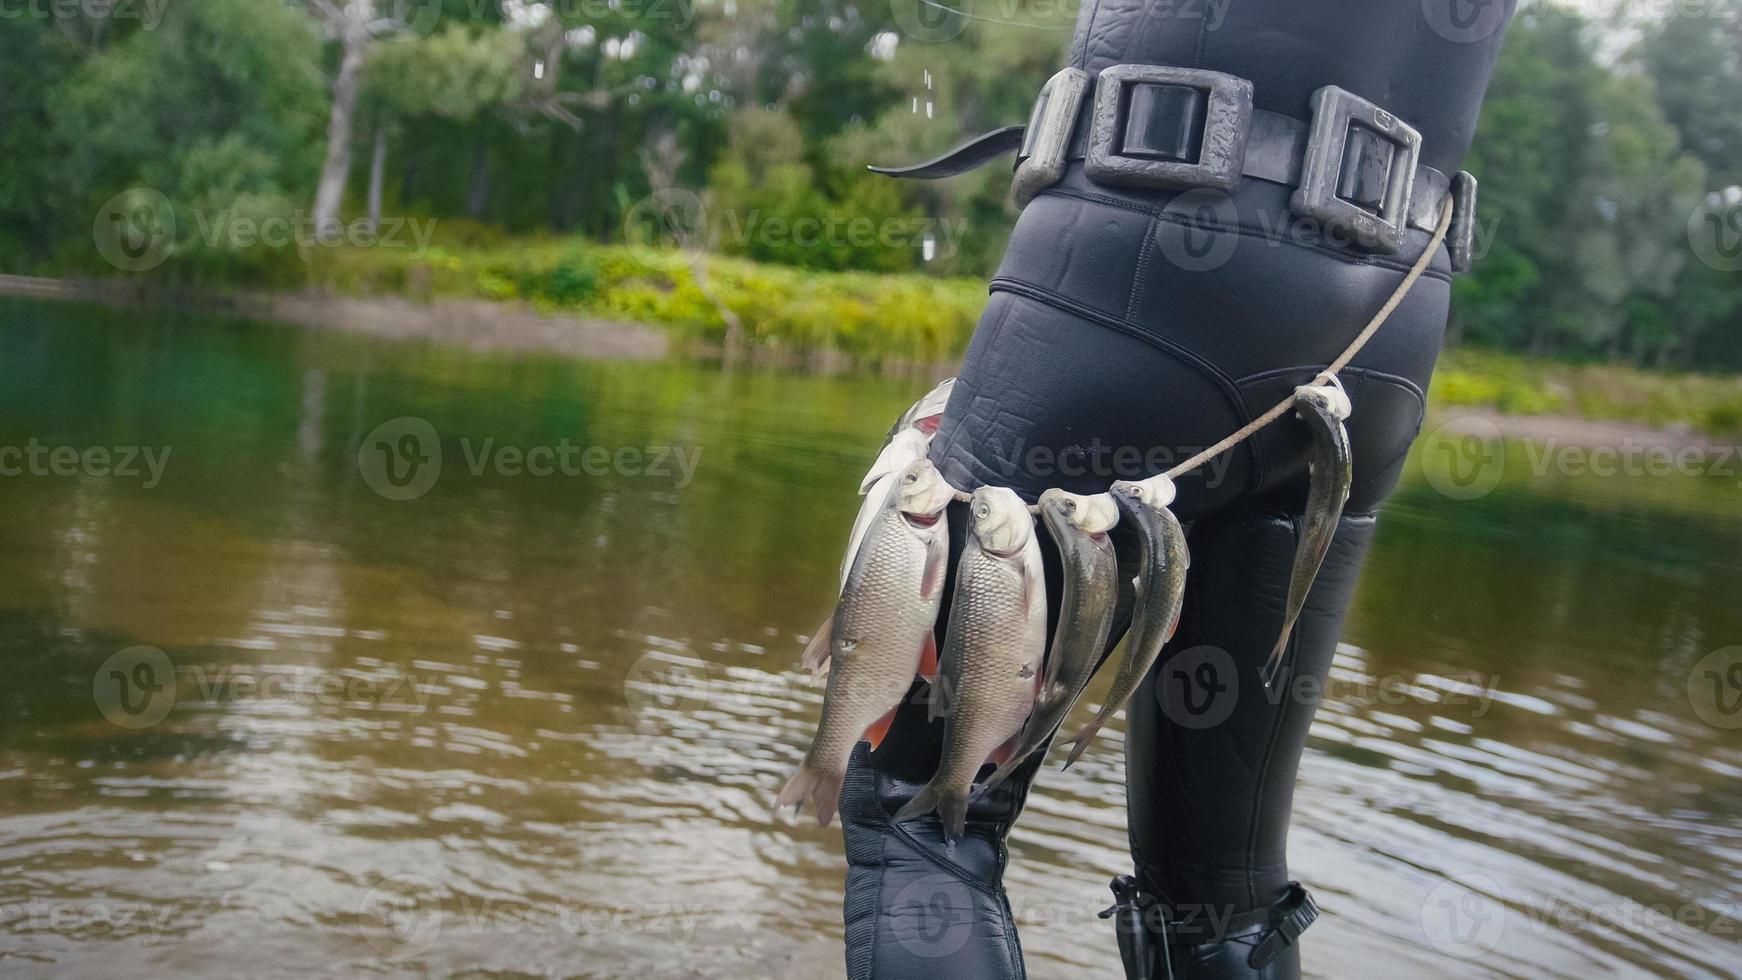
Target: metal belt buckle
1461 237
1041 161
1376 221
1158 126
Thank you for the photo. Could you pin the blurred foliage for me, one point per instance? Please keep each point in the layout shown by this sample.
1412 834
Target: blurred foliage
505 120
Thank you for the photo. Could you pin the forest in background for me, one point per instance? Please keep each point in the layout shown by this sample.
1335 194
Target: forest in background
456 138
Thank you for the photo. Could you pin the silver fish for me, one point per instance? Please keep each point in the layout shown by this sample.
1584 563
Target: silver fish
926 413
881 629
996 639
1088 601
1330 474
903 448
1161 585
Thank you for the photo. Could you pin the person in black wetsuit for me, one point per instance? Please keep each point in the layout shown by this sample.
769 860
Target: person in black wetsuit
1128 320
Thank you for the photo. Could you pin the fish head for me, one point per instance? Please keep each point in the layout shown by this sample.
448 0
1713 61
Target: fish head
1330 399
999 519
1156 492
904 447
1094 514
921 493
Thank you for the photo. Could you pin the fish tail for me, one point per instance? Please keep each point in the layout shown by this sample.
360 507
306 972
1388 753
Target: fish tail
823 790
924 802
952 810
1273 666
1080 742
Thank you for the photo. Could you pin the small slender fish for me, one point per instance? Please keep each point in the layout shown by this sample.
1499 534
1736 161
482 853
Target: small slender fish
880 635
1089 599
1161 586
1330 474
993 649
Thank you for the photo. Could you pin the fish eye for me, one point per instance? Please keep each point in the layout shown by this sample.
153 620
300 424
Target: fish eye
911 478
982 511
1070 506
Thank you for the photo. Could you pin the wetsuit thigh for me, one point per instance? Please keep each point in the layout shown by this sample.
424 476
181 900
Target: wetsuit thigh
1211 753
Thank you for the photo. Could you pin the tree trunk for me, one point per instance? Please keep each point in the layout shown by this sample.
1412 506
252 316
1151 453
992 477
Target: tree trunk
377 169
330 192
478 193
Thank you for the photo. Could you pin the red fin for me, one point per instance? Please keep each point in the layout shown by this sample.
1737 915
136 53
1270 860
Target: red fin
928 656
1171 630
1005 752
880 728
928 424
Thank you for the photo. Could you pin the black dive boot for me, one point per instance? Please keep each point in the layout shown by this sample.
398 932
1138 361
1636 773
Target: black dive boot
1157 943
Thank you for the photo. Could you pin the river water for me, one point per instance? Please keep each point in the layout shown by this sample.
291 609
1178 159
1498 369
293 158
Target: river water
278 698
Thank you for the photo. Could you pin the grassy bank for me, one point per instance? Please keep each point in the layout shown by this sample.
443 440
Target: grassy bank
867 316
916 318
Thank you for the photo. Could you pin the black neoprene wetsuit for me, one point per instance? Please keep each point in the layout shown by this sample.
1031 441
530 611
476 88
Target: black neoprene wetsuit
1101 353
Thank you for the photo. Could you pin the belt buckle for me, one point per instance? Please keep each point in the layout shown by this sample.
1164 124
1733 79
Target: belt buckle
1041 161
1461 237
1220 138
1336 113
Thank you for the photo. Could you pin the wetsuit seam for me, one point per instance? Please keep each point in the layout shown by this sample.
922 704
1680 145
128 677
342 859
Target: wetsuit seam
1186 355
1258 785
945 865
1365 372
1140 274
1185 221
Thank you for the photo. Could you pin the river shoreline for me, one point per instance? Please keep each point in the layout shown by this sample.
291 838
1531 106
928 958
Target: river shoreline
488 325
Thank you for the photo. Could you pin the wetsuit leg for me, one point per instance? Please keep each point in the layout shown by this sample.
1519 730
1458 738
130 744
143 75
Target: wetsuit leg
1211 754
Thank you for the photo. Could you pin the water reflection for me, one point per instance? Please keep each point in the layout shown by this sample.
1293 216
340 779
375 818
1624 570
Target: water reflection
533 724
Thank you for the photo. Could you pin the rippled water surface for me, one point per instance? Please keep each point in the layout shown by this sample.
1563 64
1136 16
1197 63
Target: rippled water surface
531 725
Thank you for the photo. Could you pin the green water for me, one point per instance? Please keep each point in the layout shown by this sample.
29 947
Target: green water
520 724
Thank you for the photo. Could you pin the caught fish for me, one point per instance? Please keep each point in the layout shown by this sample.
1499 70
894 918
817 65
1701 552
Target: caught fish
880 635
1330 474
992 658
926 413
1089 599
1161 586
903 448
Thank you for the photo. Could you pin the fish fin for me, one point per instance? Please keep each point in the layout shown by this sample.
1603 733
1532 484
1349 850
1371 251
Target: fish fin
816 652
928 424
799 786
928 656
1080 742
1005 752
880 728
936 554
952 810
938 697
826 797
924 802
